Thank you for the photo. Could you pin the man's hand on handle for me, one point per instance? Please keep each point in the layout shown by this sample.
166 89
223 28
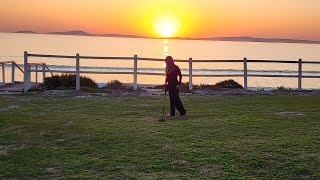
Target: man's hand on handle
165 86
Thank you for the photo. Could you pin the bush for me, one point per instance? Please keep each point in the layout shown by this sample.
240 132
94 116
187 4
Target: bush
116 85
184 87
68 81
228 84
282 88
222 84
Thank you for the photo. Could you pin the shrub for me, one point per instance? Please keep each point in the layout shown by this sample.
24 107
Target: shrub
228 84
116 85
222 84
282 88
52 82
184 87
68 81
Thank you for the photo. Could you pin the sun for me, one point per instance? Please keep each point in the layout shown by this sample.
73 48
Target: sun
166 26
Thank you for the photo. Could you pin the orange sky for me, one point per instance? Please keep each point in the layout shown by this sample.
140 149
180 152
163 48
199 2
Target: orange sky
298 19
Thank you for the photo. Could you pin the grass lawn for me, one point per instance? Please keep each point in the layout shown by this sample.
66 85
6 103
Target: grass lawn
224 137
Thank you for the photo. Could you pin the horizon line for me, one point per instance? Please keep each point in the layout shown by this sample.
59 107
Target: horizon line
216 38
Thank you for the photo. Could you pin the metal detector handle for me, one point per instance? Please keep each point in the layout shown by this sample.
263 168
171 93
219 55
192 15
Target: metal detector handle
165 88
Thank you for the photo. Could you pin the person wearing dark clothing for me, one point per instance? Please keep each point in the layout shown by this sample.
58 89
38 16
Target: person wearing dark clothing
173 85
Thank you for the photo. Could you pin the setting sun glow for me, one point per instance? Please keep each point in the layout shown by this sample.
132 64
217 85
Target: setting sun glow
167 18
166 26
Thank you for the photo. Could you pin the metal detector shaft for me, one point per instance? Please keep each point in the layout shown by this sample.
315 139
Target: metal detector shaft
164 100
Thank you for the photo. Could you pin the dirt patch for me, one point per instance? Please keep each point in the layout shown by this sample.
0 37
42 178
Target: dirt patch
219 91
285 114
51 170
167 147
177 117
211 171
16 129
59 92
180 163
6 149
68 123
9 108
314 93
140 92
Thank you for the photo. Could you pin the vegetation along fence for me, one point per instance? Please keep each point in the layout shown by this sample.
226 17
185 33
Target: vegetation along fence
27 69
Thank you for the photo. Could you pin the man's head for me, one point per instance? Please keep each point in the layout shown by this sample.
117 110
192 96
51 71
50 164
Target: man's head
169 60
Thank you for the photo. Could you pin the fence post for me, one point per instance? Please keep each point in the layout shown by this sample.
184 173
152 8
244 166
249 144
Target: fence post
135 73
43 72
3 74
78 72
190 74
12 72
27 73
300 75
245 73
36 73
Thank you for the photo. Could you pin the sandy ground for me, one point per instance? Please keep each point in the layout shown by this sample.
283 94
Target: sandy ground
17 88
203 92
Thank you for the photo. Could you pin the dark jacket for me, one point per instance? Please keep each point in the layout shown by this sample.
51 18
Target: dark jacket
172 78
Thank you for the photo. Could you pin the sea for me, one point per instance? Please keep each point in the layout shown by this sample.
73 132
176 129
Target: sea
13 45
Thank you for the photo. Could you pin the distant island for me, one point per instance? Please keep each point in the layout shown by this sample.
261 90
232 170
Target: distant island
239 39
83 33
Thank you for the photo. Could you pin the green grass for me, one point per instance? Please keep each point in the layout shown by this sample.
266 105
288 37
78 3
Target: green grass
224 137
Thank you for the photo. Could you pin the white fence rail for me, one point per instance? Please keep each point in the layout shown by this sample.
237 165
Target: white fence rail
135 73
13 65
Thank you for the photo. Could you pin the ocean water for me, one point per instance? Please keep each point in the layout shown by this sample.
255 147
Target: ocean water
13 45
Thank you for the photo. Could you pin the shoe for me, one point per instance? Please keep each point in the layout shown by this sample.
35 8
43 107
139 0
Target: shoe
183 114
169 115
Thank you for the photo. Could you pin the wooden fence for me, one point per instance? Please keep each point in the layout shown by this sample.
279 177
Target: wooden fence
135 73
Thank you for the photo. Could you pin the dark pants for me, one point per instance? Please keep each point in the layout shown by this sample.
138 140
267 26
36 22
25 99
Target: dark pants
175 102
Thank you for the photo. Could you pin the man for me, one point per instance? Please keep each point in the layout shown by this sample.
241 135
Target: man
173 85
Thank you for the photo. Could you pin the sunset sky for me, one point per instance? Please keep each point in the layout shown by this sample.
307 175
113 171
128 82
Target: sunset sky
299 19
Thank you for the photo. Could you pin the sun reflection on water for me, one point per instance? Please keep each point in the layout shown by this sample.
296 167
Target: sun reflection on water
165 50
165 47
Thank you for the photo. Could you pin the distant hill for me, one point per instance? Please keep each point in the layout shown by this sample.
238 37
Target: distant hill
239 39
121 35
275 40
26 32
83 33
75 33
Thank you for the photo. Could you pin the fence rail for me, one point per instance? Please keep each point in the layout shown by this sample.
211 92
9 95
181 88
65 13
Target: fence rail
27 68
14 65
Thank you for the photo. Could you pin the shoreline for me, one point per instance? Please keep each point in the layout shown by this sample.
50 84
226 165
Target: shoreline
147 92
224 39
